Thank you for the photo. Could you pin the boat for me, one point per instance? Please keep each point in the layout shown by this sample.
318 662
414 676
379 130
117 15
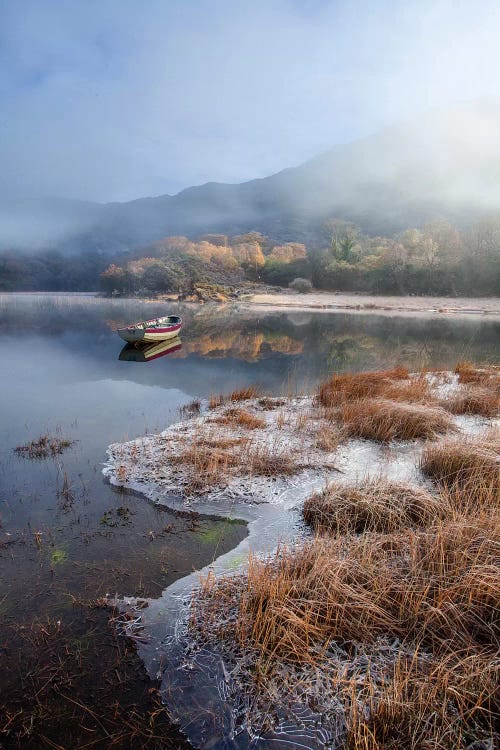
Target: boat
147 352
156 329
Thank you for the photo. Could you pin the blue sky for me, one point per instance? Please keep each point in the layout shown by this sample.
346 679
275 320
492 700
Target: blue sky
116 99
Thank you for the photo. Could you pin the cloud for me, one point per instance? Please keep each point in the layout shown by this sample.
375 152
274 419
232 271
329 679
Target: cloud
116 100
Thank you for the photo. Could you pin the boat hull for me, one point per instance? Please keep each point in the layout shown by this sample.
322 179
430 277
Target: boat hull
135 334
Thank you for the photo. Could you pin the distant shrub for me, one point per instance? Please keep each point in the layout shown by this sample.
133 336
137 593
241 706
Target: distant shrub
301 285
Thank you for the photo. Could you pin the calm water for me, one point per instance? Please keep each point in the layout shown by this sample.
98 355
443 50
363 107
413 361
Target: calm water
61 374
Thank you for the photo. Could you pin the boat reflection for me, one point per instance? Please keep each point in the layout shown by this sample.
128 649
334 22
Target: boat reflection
148 352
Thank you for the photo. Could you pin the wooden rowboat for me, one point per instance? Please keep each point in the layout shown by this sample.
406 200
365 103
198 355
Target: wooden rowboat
156 329
147 352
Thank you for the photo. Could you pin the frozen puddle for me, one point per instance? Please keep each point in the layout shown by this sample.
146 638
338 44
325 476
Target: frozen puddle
198 686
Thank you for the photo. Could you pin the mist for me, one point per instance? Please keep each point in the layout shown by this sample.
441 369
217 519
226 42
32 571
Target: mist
114 101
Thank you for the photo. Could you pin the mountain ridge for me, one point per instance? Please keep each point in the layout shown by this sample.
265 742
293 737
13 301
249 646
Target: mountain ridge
445 164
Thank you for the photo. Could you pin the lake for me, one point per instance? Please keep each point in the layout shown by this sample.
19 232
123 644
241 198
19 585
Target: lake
67 538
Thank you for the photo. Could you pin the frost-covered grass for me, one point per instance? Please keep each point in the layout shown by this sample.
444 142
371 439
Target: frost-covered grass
384 624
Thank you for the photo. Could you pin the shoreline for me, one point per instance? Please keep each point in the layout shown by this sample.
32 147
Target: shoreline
366 303
352 302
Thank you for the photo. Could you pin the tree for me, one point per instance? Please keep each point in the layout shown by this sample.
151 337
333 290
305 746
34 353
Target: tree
114 279
288 252
343 238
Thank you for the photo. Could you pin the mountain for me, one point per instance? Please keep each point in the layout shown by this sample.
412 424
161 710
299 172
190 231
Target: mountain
445 164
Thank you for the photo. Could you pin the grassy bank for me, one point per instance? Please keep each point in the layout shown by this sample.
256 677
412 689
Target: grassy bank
384 620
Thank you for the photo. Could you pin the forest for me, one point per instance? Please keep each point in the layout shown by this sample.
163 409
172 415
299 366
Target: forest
436 259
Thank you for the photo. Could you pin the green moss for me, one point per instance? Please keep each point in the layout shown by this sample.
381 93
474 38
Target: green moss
58 556
215 533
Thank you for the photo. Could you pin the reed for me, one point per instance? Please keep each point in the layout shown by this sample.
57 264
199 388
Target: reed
43 447
384 420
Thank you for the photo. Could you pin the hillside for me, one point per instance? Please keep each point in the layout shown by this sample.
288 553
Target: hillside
445 164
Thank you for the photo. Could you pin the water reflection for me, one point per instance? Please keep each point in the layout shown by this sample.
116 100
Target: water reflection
149 352
222 349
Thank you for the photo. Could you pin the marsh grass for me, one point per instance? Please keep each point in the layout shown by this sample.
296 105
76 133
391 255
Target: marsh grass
269 461
241 394
393 564
212 460
473 399
271 403
469 373
191 409
328 437
237 417
372 505
432 592
208 466
63 679
436 586
66 493
469 470
383 420
44 447
349 387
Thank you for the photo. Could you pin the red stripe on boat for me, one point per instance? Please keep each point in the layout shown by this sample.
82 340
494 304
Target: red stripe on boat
163 330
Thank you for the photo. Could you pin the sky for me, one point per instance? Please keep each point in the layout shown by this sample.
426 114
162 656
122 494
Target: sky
111 100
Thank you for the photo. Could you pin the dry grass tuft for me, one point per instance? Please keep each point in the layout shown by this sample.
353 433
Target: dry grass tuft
437 586
468 469
473 400
469 373
223 443
440 703
215 400
376 505
383 420
43 447
244 394
211 460
269 462
271 403
241 394
191 408
238 417
416 390
328 438
349 387
209 466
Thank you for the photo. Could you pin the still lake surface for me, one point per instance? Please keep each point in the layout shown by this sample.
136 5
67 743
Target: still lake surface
61 374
